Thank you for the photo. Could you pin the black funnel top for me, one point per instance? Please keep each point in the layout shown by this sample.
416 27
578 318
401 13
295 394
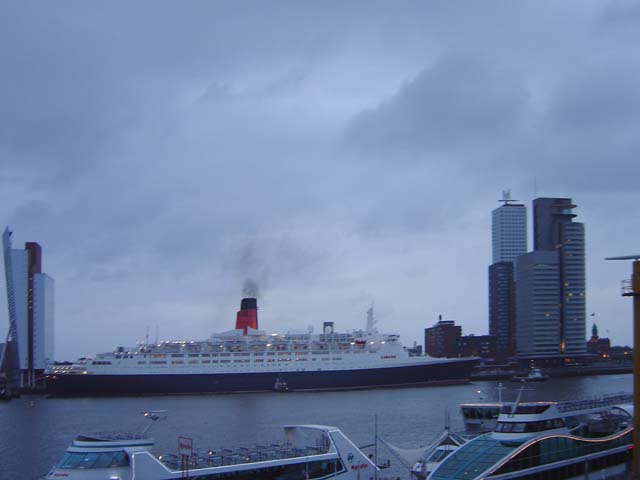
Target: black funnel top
249 303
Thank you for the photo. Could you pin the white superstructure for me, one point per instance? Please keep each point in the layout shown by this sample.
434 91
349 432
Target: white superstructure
257 351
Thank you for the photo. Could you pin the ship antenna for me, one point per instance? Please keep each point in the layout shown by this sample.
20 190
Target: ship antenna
518 398
152 415
371 321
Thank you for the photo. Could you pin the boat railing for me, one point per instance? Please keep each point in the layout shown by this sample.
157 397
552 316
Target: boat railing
107 436
595 402
240 455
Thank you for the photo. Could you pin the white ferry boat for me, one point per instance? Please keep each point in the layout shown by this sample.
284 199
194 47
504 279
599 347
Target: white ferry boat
306 452
548 440
248 359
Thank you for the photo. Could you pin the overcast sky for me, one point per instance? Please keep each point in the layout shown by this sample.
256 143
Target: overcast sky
337 153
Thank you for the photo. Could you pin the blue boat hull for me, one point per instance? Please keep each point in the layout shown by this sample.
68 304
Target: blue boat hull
414 375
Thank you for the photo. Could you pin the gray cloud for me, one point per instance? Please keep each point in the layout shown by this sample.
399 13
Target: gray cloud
620 14
461 102
164 153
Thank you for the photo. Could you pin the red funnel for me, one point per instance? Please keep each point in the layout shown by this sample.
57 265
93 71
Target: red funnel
247 315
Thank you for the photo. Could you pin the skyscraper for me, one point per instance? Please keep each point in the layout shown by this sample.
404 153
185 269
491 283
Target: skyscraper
537 313
508 230
508 241
30 304
555 270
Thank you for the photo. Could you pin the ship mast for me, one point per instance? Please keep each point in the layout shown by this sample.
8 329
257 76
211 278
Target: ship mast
371 321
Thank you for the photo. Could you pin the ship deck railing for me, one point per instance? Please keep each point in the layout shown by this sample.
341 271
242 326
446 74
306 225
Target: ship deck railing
239 455
108 436
595 402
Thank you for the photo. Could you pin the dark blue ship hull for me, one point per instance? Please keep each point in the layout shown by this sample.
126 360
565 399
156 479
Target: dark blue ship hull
414 375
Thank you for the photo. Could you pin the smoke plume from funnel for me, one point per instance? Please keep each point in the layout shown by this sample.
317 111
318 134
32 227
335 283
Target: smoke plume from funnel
250 288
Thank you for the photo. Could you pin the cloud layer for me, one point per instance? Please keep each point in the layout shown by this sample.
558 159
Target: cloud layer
163 154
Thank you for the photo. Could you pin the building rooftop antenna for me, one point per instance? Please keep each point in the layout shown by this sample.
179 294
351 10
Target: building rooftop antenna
506 197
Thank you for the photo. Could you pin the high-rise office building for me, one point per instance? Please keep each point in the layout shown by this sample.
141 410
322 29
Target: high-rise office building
551 283
537 313
30 304
508 241
508 230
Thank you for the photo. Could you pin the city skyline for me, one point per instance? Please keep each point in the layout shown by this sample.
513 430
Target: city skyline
334 154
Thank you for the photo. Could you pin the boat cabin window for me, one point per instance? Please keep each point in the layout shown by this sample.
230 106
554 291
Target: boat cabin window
558 449
84 460
525 409
482 413
528 427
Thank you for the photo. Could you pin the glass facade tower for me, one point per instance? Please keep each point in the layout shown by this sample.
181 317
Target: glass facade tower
551 301
30 304
508 241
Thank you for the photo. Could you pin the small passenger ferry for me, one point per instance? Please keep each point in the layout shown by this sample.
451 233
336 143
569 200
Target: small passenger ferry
306 452
548 440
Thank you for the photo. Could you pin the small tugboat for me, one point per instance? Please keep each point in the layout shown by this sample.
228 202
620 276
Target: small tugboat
280 385
534 375
306 452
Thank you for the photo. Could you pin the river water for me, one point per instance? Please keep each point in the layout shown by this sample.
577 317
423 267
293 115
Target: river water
34 431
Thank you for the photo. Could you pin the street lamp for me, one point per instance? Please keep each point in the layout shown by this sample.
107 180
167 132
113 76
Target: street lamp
631 288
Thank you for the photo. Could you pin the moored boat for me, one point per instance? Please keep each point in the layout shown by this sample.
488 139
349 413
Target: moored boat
543 440
247 359
306 452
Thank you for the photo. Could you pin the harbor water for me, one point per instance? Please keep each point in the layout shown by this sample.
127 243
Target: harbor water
36 430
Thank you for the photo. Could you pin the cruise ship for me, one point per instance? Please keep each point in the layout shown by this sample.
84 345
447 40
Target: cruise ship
247 359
